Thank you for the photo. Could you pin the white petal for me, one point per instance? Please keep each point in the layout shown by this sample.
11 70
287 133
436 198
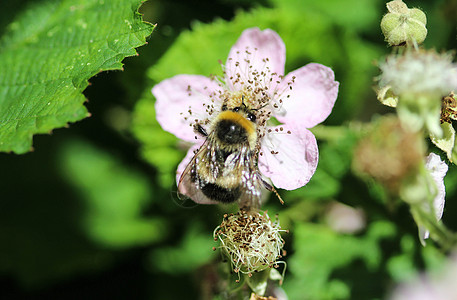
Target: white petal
438 170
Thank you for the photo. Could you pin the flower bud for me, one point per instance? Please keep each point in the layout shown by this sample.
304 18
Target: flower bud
251 241
403 25
389 153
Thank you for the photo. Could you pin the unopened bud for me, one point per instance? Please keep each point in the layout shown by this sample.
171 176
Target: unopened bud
403 25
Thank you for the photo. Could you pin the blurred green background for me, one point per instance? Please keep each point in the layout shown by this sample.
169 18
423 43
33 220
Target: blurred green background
92 212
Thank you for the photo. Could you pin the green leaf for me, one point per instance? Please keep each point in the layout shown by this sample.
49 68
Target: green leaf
115 197
401 267
193 251
48 54
352 14
449 179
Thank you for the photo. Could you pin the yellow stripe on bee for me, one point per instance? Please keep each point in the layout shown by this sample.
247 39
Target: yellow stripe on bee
239 119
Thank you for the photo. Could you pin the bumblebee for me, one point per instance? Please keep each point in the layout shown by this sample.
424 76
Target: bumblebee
224 169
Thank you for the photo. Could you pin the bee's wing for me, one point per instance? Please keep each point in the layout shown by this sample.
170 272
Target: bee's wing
188 184
252 190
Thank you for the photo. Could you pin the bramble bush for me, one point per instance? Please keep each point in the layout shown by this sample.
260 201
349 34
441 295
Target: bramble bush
90 206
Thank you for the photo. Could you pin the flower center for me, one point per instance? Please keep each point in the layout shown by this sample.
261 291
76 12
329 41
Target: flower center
248 83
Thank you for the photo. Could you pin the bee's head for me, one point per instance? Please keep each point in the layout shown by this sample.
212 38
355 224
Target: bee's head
242 109
236 124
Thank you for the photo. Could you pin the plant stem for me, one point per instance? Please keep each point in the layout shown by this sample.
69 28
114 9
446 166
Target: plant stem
323 132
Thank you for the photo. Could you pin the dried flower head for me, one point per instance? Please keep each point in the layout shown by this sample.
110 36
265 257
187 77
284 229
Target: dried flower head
446 142
448 108
251 241
389 153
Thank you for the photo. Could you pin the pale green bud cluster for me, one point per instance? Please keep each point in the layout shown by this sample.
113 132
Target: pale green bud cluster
403 25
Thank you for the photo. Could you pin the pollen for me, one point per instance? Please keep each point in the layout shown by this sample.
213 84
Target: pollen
254 86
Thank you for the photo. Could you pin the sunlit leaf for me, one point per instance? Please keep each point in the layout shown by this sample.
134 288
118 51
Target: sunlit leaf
49 53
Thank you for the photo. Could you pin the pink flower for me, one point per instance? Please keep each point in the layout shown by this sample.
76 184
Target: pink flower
253 73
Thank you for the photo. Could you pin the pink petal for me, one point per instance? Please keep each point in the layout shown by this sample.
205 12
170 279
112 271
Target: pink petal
183 99
295 161
256 50
312 96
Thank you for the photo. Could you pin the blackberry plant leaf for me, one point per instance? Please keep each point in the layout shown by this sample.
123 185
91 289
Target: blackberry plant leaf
47 55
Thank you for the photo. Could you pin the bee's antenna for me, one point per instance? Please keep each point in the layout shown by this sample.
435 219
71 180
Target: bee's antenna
259 108
242 101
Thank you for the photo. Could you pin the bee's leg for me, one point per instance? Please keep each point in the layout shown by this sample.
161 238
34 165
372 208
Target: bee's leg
271 188
199 129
